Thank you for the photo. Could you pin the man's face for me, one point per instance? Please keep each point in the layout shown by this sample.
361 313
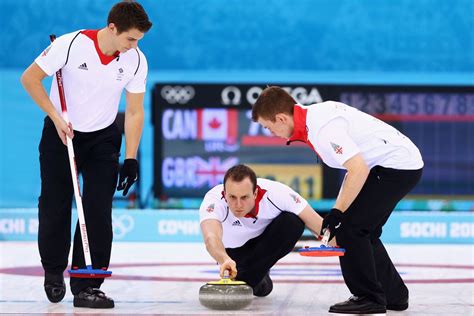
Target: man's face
127 39
240 196
282 127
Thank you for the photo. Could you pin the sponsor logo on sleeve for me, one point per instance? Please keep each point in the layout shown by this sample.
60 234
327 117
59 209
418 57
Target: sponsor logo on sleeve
337 148
295 198
210 208
45 52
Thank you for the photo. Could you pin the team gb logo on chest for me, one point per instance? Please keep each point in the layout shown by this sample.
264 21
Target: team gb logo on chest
120 74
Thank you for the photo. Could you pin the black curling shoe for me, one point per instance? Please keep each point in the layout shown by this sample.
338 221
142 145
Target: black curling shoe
93 298
401 306
54 287
358 305
264 287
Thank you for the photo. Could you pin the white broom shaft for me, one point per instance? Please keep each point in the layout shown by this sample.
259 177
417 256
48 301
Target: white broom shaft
77 195
326 235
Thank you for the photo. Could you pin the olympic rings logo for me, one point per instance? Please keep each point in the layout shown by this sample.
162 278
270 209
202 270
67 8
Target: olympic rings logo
122 225
177 94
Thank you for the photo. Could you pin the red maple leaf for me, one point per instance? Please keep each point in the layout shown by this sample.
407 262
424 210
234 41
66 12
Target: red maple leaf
215 124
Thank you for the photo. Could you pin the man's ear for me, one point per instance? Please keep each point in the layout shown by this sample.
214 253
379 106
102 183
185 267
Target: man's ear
112 28
281 117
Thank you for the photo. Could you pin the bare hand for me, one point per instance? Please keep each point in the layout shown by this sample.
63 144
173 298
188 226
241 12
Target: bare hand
64 130
230 266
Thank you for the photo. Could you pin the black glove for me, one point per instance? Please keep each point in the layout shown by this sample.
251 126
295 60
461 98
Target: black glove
333 221
128 175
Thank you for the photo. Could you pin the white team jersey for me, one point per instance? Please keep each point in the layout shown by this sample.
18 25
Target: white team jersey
338 132
272 199
93 89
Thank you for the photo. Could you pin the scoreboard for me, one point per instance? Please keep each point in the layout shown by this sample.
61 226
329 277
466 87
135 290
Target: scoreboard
201 130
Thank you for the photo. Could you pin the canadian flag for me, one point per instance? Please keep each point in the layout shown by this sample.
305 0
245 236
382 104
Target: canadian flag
218 124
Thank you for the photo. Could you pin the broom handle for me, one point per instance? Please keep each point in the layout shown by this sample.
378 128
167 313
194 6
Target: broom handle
326 235
75 177
77 195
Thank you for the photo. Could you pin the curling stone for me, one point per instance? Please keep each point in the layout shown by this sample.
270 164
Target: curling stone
225 294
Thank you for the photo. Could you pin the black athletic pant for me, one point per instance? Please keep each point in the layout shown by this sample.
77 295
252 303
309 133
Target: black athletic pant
255 258
366 266
97 155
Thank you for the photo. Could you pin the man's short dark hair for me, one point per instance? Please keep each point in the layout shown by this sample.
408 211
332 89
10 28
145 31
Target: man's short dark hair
272 101
238 173
127 15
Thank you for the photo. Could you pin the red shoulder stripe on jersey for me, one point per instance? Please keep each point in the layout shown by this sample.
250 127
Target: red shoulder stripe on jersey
104 59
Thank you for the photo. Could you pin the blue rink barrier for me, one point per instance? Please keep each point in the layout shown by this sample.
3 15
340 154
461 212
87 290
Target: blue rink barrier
183 226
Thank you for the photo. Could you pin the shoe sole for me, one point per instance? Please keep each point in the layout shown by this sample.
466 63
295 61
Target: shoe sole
398 308
54 299
380 312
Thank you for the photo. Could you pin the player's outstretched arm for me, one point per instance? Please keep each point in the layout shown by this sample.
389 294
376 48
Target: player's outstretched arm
312 220
212 235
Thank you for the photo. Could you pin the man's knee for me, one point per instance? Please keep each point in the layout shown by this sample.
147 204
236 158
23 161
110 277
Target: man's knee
292 223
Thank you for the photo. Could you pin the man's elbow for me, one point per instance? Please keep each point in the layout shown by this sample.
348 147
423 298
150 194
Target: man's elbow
359 165
208 240
135 111
27 79
24 79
